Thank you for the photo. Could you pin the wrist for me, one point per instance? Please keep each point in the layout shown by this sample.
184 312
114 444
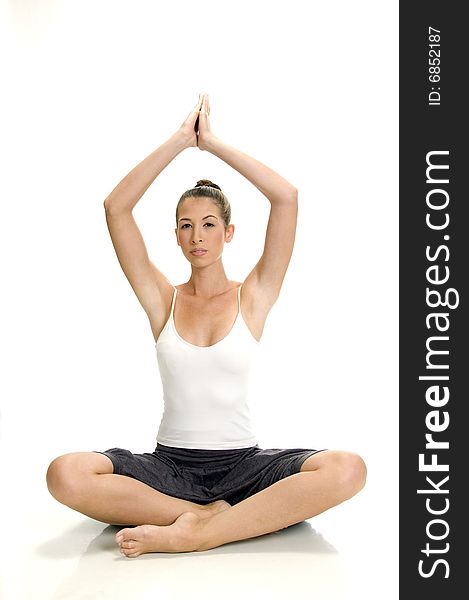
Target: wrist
210 143
181 141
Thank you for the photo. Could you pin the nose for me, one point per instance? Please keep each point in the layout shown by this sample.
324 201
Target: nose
196 237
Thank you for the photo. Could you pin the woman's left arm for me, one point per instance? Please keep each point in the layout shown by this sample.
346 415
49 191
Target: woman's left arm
268 274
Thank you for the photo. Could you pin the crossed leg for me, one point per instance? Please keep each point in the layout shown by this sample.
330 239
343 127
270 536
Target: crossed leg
85 482
325 480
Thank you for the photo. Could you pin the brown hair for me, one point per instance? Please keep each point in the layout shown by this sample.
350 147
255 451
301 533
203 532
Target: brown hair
205 188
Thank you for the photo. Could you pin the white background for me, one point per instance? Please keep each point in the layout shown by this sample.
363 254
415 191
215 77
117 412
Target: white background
90 89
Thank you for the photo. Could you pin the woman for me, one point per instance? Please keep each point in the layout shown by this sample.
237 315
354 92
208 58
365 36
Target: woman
207 483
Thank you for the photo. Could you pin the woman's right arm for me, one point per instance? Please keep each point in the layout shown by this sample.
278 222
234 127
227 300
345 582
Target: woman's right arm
149 284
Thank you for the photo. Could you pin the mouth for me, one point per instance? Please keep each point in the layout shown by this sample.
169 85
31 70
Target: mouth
198 252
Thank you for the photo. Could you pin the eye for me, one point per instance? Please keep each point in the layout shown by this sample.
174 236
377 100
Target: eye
210 224
185 225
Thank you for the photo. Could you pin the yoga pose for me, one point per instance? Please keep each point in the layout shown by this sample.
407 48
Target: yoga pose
208 482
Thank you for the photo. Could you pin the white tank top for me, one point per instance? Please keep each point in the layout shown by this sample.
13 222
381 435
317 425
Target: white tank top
205 388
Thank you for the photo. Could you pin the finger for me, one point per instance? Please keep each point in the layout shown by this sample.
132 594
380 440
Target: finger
194 114
205 110
198 105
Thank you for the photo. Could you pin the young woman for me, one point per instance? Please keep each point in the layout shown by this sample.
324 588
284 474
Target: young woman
208 482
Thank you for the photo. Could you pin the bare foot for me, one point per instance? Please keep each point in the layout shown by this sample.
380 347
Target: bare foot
213 508
184 535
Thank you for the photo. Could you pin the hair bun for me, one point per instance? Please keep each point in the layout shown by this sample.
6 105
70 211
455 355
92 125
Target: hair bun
207 183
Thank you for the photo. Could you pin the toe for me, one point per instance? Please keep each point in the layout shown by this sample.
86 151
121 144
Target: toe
119 536
130 552
125 534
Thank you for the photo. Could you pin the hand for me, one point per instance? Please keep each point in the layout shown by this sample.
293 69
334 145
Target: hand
188 129
204 134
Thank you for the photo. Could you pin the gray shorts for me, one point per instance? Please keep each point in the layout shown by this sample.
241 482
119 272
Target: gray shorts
204 476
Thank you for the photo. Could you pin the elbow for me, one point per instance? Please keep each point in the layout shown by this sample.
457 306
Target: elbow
286 196
292 196
111 208
290 193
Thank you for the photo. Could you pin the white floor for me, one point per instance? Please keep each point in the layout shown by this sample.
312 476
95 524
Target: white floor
53 553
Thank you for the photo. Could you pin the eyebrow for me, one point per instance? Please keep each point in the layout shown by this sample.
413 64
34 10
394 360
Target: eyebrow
207 217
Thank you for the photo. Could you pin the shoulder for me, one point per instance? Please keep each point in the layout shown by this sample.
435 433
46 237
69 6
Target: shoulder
180 288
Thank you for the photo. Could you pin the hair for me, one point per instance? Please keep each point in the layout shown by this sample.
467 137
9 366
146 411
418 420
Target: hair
205 188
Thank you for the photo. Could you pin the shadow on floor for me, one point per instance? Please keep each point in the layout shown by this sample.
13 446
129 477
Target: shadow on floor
296 538
275 565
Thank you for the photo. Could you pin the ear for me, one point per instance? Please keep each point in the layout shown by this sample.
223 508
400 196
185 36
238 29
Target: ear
177 238
229 233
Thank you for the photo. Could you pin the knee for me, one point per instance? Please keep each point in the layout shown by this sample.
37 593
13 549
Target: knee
61 478
351 472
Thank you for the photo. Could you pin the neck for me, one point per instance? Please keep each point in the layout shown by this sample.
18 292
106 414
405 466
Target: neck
208 281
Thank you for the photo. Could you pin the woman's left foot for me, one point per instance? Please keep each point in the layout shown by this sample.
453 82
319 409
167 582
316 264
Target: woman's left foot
184 535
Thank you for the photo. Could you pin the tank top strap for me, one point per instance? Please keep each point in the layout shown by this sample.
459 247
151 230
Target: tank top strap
239 298
172 303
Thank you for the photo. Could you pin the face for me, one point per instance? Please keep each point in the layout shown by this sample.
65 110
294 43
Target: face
201 232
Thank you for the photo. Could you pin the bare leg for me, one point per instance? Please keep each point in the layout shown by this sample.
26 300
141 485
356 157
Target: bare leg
85 482
326 479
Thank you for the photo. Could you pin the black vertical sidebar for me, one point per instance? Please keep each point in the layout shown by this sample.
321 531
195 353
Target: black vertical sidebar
433 257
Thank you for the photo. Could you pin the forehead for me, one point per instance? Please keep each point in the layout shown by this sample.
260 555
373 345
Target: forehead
196 206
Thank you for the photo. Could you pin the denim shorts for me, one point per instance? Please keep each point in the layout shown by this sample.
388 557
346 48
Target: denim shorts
203 476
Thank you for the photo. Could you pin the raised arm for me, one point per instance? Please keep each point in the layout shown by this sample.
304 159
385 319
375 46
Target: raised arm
148 283
267 276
